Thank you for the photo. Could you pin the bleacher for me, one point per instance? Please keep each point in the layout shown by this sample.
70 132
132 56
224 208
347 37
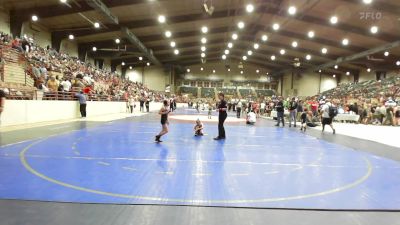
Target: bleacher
192 91
245 93
14 68
208 92
227 91
19 91
265 93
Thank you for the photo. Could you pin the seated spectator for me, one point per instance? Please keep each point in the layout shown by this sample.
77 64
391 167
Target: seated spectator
251 118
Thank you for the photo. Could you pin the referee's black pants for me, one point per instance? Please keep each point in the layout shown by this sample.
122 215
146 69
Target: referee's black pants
221 119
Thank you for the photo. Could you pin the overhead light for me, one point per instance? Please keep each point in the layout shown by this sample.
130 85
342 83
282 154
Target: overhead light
148 64
367 2
257 71
244 58
140 58
230 45
311 34
130 67
204 29
201 68
176 52
249 52
256 46
117 41
398 63
168 34
324 50
203 40
96 25
276 26
203 48
35 18
336 66
234 36
319 71
273 57
295 44
347 73
213 71
264 38
223 57
334 75
374 29
161 19
229 69
282 51
172 44
241 72
71 37
292 10
94 49
334 20
345 42
226 52
123 63
386 53
250 8
240 25
203 55
188 70
63 1
368 70
308 57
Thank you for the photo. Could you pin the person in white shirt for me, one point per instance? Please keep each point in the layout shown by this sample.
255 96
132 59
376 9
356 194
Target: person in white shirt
327 119
251 118
66 84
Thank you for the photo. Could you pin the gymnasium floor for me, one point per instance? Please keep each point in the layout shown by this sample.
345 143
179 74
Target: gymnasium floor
257 167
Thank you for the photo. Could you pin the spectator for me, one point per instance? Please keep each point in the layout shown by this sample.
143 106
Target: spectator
82 103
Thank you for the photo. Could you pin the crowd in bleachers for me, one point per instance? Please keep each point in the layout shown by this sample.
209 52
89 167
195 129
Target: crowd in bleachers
375 101
58 72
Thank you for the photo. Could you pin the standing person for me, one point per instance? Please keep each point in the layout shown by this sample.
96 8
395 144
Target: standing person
280 110
300 109
131 102
239 108
292 112
164 111
147 105
141 101
82 103
222 107
209 110
303 120
327 115
2 102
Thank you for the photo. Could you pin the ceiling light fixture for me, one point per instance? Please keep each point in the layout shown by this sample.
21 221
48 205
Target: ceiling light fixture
203 55
240 25
223 57
230 45
250 8
204 29
295 44
374 29
226 52
282 51
264 38
311 34
94 49
292 10
273 57
249 52
71 37
308 57
96 25
203 40
176 52
244 58
234 36
172 44
275 26
203 48
334 19
386 53
345 42
256 46
161 19
35 18
168 34
117 41
324 50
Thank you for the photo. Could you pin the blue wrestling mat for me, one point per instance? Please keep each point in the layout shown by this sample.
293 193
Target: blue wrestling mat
257 166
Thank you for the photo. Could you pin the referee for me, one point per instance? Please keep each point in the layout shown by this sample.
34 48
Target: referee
222 106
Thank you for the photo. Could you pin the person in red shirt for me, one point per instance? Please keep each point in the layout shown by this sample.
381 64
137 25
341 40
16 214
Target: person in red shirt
87 89
314 107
